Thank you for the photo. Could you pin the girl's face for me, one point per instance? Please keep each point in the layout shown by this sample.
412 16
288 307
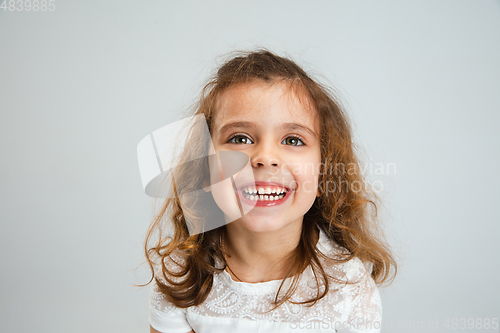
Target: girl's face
281 137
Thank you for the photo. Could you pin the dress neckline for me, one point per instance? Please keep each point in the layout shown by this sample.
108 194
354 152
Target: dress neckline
272 286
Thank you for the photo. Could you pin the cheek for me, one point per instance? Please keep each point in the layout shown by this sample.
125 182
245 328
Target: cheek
306 174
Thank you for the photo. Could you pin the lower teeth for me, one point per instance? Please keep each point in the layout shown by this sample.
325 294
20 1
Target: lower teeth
248 196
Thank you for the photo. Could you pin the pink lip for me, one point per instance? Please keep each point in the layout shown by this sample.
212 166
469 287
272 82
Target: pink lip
262 203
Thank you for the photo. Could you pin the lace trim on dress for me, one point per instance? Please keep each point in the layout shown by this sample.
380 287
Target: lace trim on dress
351 303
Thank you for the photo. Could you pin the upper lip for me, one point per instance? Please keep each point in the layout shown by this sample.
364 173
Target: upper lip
265 184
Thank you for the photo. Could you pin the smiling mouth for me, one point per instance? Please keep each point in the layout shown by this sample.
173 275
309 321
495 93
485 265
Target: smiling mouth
264 193
263 197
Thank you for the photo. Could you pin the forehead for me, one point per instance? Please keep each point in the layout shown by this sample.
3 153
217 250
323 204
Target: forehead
266 104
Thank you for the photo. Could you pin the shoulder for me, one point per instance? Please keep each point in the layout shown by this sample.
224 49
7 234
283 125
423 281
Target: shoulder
173 263
353 270
362 304
361 299
164 316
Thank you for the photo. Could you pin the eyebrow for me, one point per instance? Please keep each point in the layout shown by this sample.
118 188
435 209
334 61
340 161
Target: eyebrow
248 124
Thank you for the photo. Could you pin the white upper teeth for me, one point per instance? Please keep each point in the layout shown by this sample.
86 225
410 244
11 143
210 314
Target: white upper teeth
263 190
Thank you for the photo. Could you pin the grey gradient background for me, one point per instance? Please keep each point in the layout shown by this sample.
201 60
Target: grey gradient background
82 85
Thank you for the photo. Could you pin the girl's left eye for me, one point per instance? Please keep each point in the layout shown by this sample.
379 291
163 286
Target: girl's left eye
295 139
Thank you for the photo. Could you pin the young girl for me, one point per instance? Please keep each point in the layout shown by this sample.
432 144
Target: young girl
308 256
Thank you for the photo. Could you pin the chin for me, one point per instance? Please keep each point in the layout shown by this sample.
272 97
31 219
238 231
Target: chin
261 225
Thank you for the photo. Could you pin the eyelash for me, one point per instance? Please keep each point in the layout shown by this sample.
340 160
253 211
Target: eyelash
290 136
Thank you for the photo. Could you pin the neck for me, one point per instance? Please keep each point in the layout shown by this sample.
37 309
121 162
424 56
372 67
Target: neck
259 257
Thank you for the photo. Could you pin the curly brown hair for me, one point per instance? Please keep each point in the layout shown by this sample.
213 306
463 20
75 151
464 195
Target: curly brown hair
343 214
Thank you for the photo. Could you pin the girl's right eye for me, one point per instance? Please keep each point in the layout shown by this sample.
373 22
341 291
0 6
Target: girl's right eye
246 139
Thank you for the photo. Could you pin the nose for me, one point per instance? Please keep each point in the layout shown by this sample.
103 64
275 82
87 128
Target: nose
265 155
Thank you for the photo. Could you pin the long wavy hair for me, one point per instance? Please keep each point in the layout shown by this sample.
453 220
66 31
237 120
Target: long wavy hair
346 210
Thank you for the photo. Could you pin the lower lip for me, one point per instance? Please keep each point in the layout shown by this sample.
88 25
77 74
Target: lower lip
263 203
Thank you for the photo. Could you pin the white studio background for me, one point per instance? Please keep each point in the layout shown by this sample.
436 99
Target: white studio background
80 86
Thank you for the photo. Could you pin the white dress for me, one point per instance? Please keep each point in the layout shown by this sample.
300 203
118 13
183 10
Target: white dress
238 307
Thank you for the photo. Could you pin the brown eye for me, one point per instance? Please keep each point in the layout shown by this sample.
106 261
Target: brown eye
294 141
239 139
